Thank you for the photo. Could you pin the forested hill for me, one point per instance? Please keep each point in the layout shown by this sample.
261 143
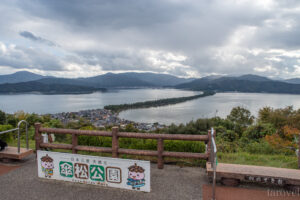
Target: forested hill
238 84
33 86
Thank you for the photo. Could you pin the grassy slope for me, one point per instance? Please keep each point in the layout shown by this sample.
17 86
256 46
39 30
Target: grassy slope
277 160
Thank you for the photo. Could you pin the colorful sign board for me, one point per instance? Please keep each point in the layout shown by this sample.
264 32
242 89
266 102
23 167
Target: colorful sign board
103 171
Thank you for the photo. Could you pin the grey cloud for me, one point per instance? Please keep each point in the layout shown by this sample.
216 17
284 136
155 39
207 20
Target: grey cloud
20 57
31 36
172 25
202 31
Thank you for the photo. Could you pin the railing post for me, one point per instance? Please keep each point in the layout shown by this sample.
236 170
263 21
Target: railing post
74 142
115 142
160 151
212 153
19 145
38 136
213 161
27 142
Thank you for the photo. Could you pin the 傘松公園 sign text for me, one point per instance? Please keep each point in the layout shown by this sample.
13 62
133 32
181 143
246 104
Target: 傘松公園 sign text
103 171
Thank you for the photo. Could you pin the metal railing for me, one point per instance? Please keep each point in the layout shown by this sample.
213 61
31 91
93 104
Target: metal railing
213 162
160 153
19 134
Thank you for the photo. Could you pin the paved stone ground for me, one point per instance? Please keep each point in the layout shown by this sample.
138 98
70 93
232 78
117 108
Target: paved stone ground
255 193
173 182
6 168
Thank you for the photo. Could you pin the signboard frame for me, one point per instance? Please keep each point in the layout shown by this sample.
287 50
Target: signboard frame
103 171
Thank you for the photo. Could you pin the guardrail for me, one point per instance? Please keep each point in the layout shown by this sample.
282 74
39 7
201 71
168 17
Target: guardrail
115 150
18 129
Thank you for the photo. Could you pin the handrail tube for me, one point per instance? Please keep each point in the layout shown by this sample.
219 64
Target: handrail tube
18 129
8 131
27 144
214 145
214 162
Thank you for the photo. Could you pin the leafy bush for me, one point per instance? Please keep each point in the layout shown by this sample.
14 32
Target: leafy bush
261 147
287 140
55 123
225 134
226 146
7 137
184 146
258 131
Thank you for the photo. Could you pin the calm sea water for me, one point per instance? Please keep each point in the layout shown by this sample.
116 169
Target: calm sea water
217 105
43 104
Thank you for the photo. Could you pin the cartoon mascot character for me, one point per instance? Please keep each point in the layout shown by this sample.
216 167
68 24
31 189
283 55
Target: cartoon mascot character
136 177
47 166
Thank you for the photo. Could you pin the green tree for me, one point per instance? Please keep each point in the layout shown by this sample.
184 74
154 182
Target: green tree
225 134
241 119
2 117
33 118
12 120
241 116
20 115
130 128
264 114
280 117
46 118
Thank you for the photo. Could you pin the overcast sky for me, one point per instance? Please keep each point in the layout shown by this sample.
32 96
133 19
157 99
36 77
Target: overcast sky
179 37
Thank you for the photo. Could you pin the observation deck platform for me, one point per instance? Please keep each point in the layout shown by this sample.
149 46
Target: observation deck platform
258 174
12 153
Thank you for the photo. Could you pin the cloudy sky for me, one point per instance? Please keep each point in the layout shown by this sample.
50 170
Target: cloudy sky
179 37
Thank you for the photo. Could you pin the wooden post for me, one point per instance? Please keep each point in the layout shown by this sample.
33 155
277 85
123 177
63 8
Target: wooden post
74 142
208 149
160 150
38 136
115 142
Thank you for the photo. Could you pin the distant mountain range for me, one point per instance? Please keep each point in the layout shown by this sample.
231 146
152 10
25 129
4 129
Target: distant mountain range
244 83
130 79
29 82
293 80
22 76
34 86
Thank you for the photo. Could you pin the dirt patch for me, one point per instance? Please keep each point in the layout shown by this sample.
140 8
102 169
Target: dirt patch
7 168
235 193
